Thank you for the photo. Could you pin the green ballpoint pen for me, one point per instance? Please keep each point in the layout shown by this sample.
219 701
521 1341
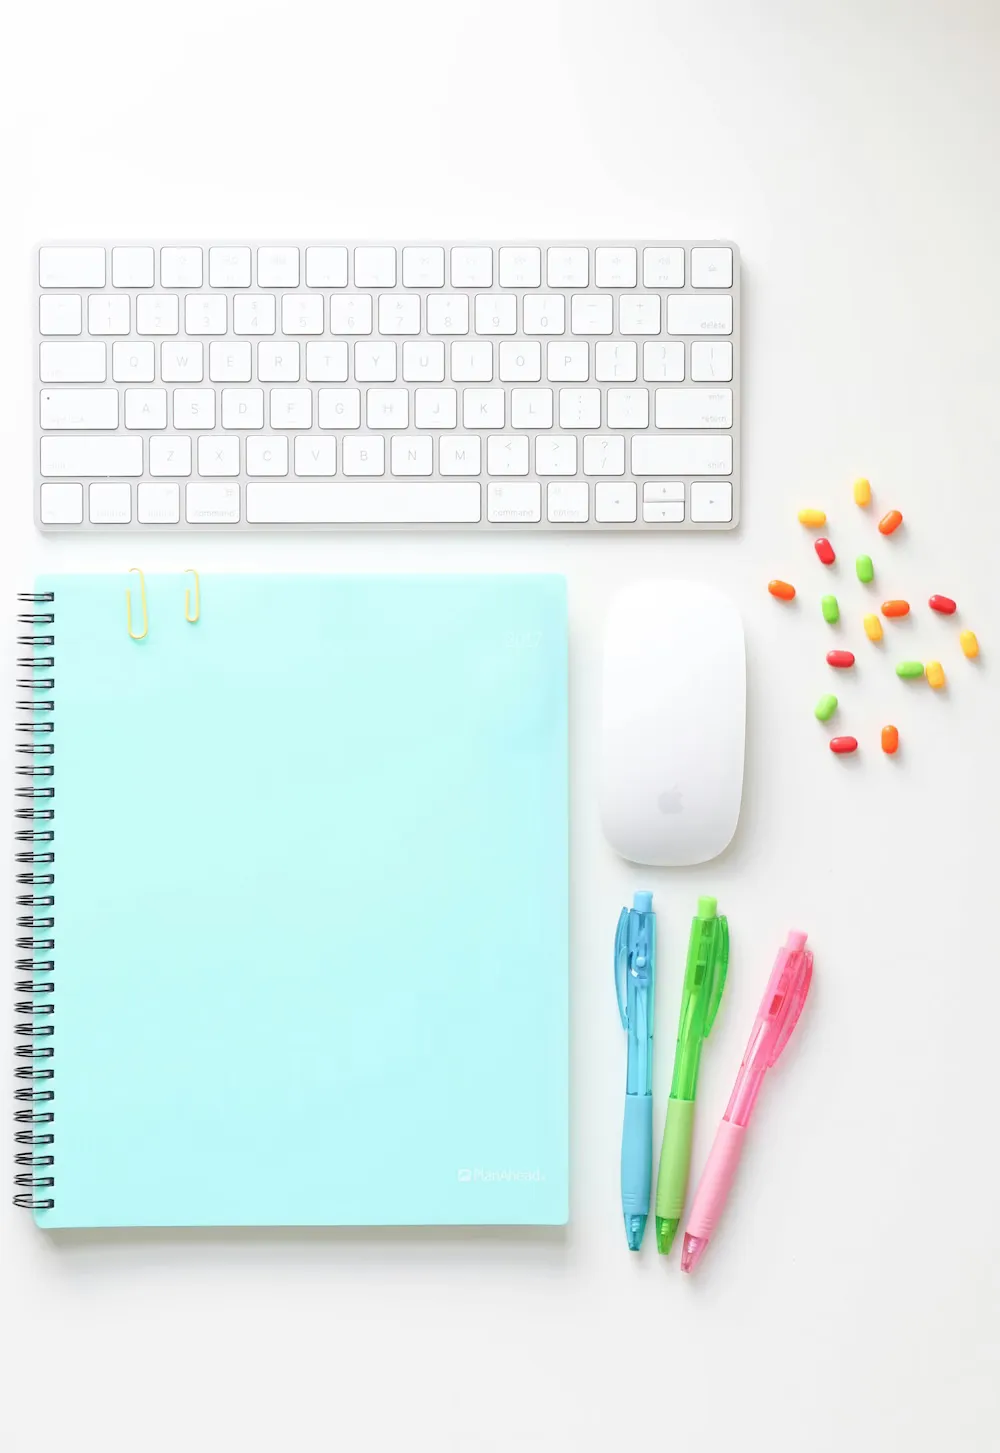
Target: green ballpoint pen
704 981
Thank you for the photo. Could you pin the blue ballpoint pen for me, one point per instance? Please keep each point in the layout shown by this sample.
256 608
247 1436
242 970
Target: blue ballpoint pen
635 976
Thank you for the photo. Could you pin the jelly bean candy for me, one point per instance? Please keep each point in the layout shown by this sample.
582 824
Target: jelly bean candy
825 550
890 522
890 740
969 644
840 745
843 659
812 518
910 670
862 493
831 610
873 628
825 708
894 608
781 589
935 674
865 569
943 604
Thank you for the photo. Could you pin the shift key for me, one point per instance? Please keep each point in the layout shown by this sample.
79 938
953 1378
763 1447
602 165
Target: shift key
97 456
682 454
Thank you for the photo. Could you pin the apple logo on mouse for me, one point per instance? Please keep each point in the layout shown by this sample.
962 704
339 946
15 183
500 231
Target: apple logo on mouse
671 801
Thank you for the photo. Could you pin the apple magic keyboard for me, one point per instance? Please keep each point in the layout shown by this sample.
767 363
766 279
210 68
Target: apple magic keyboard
476 386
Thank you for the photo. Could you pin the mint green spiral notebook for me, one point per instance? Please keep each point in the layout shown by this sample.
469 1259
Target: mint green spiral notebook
297 940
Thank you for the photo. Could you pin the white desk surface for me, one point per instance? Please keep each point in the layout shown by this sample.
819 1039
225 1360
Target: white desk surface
850 149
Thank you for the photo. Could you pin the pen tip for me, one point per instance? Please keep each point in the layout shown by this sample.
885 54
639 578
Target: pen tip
666 1230
694 1249
635 1227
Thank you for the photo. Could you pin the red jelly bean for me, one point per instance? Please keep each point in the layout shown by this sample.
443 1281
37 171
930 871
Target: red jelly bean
840 658
843 744
825 551
943 605
890 522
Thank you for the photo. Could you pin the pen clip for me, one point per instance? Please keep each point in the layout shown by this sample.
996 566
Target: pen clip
793 988
621 964
719 970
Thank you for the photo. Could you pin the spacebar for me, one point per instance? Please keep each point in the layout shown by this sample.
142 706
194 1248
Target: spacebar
382 502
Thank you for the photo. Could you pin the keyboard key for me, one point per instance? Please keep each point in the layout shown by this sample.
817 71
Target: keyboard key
663 267
411 454
291 408
639 314
132 267
108 313
205 313
614 501
472 362
699 313
194 408
230 362
711 362
315 455
520 362
180 267
423 362
170 455
387 408
398 313
133 362
110 502
670 513
79 408
92 456
277 267
658 491
615 362
423 267
350 313
71 267
531 408
448 313
520 267
229 267
579 408
374 267
604 454
364 454
326 267
256 313
182 362
72 362
663 362
555 455
711 267
483 408
435 408
61 504
591 313
339 408
615 267
694 408
568 502
326 362
145 408
507 454
544 313
568 362
451 502
268 454
243 408
302 313
628 408
682 454
219 454
375 362
512 504
60 313
472 267
461 454
279 362
157 313
711 502
212 504
567 267
159 503
496 313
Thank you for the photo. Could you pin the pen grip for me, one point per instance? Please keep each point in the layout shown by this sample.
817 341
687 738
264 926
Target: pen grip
675 1159
716 1180
637 1154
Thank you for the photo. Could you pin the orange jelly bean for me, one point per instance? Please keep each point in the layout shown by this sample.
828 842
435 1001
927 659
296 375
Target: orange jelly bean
895 608
890 740
890 522
781 589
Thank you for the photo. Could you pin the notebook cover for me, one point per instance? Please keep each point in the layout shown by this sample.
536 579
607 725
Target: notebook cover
310 902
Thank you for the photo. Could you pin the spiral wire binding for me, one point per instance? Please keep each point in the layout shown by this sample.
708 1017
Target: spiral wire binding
35 856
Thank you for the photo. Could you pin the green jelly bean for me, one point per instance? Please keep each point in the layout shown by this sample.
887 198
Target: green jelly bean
825 708
831 610
865 569
910 669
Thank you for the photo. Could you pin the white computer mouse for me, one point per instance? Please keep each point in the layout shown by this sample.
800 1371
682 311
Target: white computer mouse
673 722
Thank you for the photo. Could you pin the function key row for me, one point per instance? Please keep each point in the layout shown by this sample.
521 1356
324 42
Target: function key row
386 267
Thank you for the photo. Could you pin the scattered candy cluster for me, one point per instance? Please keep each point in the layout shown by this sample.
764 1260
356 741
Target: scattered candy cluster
891 609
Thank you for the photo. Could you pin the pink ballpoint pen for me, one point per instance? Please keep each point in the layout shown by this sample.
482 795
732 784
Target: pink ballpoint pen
776 1018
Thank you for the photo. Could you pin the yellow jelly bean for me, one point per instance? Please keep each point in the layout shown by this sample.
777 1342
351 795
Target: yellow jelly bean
934 672
873 628
969 644
812 518
862 493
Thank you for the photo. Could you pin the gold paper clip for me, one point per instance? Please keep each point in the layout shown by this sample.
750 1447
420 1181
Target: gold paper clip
134 570
197 599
